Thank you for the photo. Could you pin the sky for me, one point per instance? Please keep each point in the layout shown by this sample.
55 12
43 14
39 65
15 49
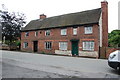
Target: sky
33 8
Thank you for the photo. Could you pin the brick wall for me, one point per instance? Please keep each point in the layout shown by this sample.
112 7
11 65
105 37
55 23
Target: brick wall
56 37
104 6
110 50
105 51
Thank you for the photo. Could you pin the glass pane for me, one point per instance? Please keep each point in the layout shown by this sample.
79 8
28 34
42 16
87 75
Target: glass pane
74 31
88 30
63 31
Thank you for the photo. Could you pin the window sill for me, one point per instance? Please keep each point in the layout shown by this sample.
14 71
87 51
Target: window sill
47 35
88 33
89 50
63 50
48 49
25 48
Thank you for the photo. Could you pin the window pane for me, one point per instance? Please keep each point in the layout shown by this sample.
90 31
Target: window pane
63 31
88 45
26 34
25 45
36 33
48 45
92 45
83 45
74 31
88 30
62 45
47 32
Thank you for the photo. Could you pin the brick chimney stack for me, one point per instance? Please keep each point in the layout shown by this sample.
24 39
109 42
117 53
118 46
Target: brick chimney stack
42 16
104 7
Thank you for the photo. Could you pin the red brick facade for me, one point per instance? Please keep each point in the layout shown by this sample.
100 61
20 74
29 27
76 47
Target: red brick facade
55 37
104 6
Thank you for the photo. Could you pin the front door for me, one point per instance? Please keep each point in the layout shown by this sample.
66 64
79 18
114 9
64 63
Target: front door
35 46
74 47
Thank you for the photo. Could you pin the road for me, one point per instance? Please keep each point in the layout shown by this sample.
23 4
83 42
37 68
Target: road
11 71
26 65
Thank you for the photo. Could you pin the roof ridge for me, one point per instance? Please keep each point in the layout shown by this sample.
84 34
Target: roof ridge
78 18
74 13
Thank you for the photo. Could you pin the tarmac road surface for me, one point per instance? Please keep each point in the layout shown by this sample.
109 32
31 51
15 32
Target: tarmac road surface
25 64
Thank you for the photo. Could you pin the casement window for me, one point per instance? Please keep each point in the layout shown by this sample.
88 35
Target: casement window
63 45
88 45
74 31
48 45
26 34
47 32
63 31
88 30
25 44
36 33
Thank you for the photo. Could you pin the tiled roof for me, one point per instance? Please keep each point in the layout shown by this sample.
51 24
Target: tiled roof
79 18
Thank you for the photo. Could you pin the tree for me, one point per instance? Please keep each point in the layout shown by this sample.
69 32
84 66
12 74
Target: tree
114 38
11 24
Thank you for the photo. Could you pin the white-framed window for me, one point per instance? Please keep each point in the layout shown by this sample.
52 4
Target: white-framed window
25 44
47 32
63 45
88 45
36 33
74 31
88 30
63 31
48 45
26 34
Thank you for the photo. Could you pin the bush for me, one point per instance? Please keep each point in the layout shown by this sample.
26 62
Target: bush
42 52
18 43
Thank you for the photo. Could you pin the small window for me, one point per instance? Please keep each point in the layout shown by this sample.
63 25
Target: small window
63 45
88 30
47 32
63 31
48 45
25 45
74 31
88 45
36 33
26 34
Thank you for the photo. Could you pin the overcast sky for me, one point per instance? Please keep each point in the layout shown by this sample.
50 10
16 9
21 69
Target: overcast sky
33 8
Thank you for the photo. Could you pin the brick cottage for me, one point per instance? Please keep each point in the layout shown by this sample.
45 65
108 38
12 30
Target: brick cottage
81 33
